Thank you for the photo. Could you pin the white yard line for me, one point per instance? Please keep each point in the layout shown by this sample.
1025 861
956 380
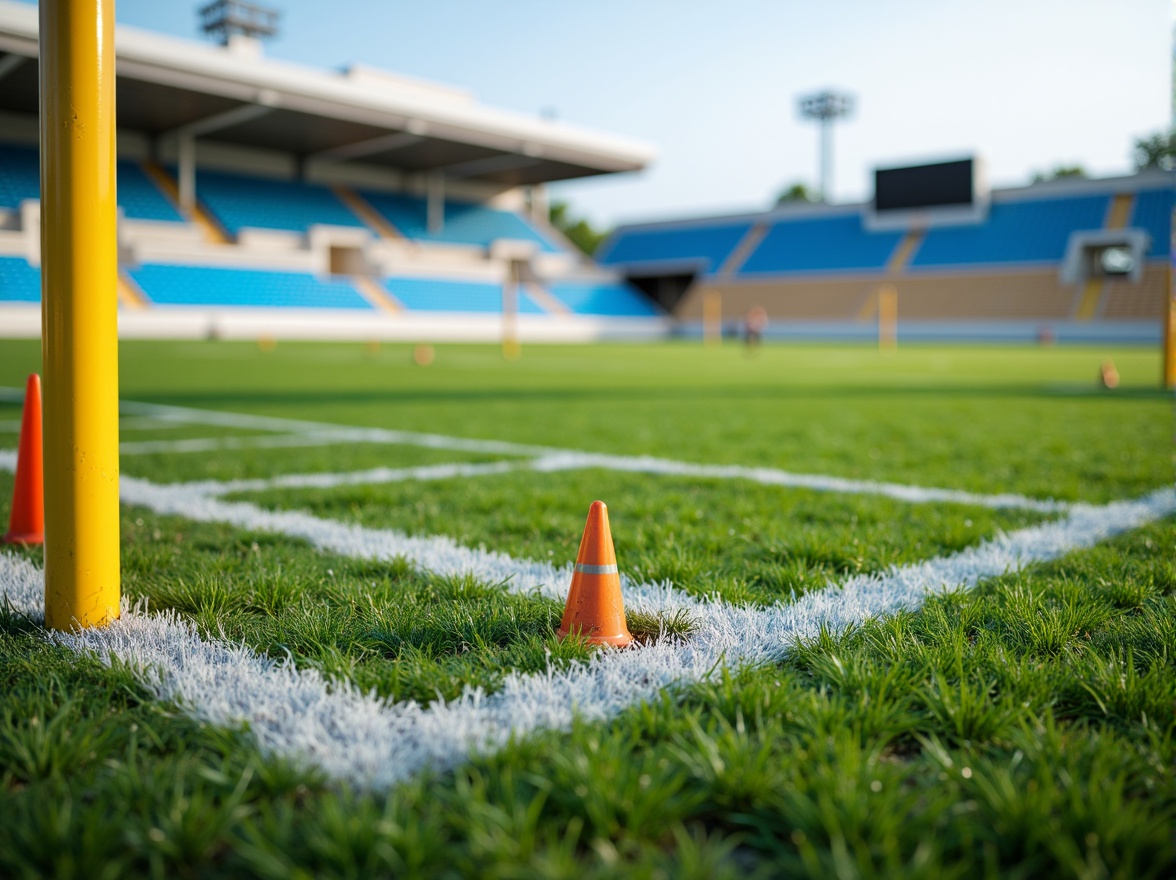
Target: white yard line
553 459
372 744
299 433
372 476
566 461
215 444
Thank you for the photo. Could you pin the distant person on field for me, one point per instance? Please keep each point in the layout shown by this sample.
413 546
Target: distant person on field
754 326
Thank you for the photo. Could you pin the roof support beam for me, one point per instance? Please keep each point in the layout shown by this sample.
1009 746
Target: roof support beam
435 192
384 143
266 103
489 165
186 141
10 63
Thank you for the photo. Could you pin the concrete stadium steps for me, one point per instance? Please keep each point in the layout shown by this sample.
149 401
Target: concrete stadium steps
545 300
1090 300
1122 206
130 294
738 257
376 294
209 226
373 219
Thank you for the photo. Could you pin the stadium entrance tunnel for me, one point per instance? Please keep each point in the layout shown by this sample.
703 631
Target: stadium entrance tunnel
665 290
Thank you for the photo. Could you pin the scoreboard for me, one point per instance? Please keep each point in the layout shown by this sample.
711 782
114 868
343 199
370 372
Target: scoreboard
939 185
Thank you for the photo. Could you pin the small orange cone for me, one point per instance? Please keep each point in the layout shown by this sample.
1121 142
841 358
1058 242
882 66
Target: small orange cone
26 524
595 607
1108 376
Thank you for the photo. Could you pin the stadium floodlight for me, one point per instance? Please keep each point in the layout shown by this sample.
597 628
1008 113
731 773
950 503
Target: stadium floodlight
226 18
826 107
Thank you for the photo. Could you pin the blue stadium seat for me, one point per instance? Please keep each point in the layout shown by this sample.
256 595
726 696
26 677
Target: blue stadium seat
610 298
1153 212
706 246
465 222
264 203
217 286
821 244
20 175
439 295
19 282
1034 230
138 196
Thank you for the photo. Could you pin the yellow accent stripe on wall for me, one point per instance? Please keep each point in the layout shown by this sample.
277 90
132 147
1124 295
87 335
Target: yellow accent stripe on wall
377 295
214 233
371 218
545 300
129 293
743 250
1119 211
902 255
1088 305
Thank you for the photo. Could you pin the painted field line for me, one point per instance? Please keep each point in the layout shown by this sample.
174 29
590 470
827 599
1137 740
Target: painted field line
372 476
773 477
552 458
216 444
567 461
321 433
374 744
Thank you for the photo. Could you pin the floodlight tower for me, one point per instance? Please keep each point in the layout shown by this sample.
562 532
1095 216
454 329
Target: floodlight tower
226 18
826 107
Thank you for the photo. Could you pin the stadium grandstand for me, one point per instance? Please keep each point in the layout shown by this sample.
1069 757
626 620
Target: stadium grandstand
1069 259
259 197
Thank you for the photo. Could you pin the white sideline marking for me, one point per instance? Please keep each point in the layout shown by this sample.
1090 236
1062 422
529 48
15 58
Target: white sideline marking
772 477
547 458
374 476
214 444
566 461
374 744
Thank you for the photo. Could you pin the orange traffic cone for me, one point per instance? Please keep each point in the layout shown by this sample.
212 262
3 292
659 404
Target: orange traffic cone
26 524
1108 376
595 608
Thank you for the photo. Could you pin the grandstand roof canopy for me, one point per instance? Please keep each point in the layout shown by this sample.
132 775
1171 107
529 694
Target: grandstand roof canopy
167 86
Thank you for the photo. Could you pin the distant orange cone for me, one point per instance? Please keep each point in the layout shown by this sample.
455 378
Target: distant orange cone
595 608
1108 376
26 524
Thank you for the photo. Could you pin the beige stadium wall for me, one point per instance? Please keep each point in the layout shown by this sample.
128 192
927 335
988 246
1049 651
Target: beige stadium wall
1147 299
939 296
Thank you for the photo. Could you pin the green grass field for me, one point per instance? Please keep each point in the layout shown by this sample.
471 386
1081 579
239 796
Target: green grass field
1024 728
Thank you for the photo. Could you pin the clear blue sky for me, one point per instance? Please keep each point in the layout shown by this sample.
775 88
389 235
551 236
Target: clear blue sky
1027 84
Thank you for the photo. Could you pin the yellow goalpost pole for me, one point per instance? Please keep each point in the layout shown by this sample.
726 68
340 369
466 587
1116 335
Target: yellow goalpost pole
887 318
79 315
712 317
1169 330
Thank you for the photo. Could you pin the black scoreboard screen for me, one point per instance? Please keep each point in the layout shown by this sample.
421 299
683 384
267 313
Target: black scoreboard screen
924 186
